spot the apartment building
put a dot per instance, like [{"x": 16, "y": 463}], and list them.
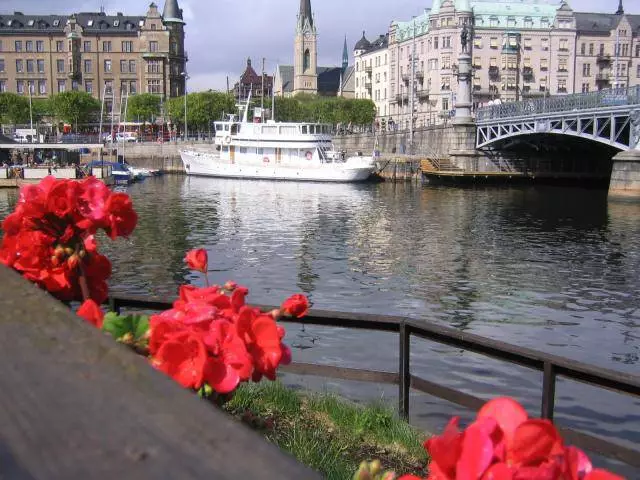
[
  {"x": 104, "y": 55},
  {"x": 520, "y": 49},
  {"x": 372, "y": 71}
]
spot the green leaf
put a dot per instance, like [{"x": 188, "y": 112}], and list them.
[{"x": 135, "y": 326}]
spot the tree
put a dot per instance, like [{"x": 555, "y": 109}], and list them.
[
  {"x": 203, "y": 108},
  {"x": 144, "y": 107},
  {"x": 14, "y": 108},
  {"x": 73, "y": 107}
]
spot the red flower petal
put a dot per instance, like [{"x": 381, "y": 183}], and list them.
[
  {"x": 197, "y": 260},
  {"x": 507, "y": 412},
  {"x": 534, "y": 442},
  {"x": 92, "y": 313},
  {"x": 221, "y": 377}
]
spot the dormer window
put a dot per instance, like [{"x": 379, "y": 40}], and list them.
[
  {"x": 544, "y": 22},
  {"x": 493, "y": 21},
  {"x": 116, "y": 23},
  {"x": 128, "y": 26},
  {"x": 90, "y": 23},
  {"x": 56, "y": 22},
  {"x": 141, "y": 23},
  {"x": 31, "y": 23},
  {"x": 9, "y": 23}
]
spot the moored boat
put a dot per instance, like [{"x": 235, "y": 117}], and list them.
[{"x": 275, "y": 151}]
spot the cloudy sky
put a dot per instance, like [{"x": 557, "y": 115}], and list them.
[{"x": 222, "y": 34}]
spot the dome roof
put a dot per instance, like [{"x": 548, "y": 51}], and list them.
[{"x": 363, "y": 43}]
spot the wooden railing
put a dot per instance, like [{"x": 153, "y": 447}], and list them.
[
  {"x": 551, "y": 366},
  {"x": 74, "y": 404}
]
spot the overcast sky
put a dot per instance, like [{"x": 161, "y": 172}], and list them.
[{"x": 221, "y": 34}]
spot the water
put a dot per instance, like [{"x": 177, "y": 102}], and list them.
[{"x": 555, "y": 269}]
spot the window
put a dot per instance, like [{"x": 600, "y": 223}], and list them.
[
  {"x": 133, "y": 88},
  {"x": 29, "y": 45},
  {"x": 493, "y": 21},
  {"x": 564, "y": 45},
  {"x": 116, "y": 23},
  {"x": 87, "y": 46},
  {"x": 446, "y": 63},
  {"x": 153, "y": 46},
  {"x": 60, "y": 66},
  {"x": 477, "y": 42},
  {"x": 477, "y": 62},
  {"x": 638, "y": 72},
  {"x": 493, "y": 42},
  {"x": 62, "y": 86},
  {"x": 124, "y": 86},
  {"x": 107, "y": 66},
  {"x": 1, "y": 46},
  {"x": 625, "y": 49},
  {"x": 528, "y": 22},
  {"x": 40, "y": 66},
  {"x": 31, "y": 68},
  {"x": 124, "y": 66},
  {"x": 18, "y": 45},
  {"x": 435, "y": 45},
  {"x": 562, "y": 65},
  {"x": 445, "y": 104},
  {"x": 637, "y": 49},
  {"x": 153, "y": 66},
  {"x": 42, "y": 87},
  {"x": 585, "y": 88},
  {"x": 601, "y": 51},
  {"x": 526, "y": 43},
  {"x": 562, "y": 85},
  {"x": 446, "y": 83},
  {"x": 153, "y": 86},
  {"x": 20, "y": 87},
  {"x": 173, "y": 47},
  {"x": 564, "y": 24},
  {"x": 88, "y": 86},
  {"x": 544, "y": 64},
  {"x": 586, "y": 70},
  {"x": 56, "y": 22},
  {"x": 3, "y": 86},
  {"x": 87, "y": 66},
  {"x": 19, "y": 66},
  {"x": 511, "y": 21},
  {"x": 544, "y": 22},
  {"x": 39, "y": 46},
  {"x": 132, "y": 66},
  {"x": 545, "y": 44},
  {"x": 1, "y": 65},
  {"x": 127, "y": 47},
  {"x": 108, "y": 87},
  {"x": 106, "y": 46},
  {"x": 59, "y": 46},
  {"x": 583, "y": 48}
]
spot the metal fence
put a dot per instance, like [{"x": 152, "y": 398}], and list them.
[
  {"x": 565, "y": 103},
  {"x": 551, "y": 366}
]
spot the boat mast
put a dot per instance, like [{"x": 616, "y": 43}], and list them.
[
  {"x": 262, "y": 97},
  {"x": 273, "y": 99},
  {"x": 246, "y": 107}
]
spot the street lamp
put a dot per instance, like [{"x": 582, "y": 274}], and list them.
[{"x": 186, "y": 77}]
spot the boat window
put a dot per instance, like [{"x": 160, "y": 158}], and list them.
[
  {"x": 234, "y": 129},
  {"x": 225, "y": 148},
  {"x": 243, "y": 149},
  {"x": 218, "y": 128},
  {"x": 304, "y": 129},
  {"x": 288, "y": 130},
  {"x": 260, "y": 151},
  {"x": 269, "y": 130},
  {"x": 226, "y": 128}
]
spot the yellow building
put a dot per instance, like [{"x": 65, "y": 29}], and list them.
[{"x": 104, "y": 55}]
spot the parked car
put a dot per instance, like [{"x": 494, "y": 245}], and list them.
[{"x": 126, "y": 137}]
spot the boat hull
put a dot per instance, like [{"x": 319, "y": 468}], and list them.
[{"x": 204, "y": 164}]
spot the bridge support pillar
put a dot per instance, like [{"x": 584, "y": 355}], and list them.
[
  {"x": 462, "y": 150},
  {"x": 625, "y": 175}
]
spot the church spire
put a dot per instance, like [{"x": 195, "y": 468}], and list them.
[
  {"x": 620, "y": 9},
  {"x": 345, "y": 55},
  {"x": 305, "y": 12},
  {"x": 172, "y": 12}
]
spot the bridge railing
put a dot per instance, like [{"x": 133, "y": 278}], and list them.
[{"x": 564, "y": 103}]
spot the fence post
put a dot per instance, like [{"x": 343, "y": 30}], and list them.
[
  {"x": 548, "y": 390},
  {"x": 404, "y": 371},
  {"x": 113, "y": 306}
]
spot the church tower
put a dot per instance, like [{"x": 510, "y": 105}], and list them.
[
  {"x": 305, "y": 65},
  {"x": 173, "y": 21}
]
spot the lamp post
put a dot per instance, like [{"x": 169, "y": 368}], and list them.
[
  {"x": 186, "y": 132},
  {"x": 31, "y": 86}
]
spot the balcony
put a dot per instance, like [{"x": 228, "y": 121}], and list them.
[
  {"x": 367, "y": 84},
  {"x": 527, "y": 73},
  {"x": 423, "y": 94},
  {"x": 401, "y": 97},
  {"x": 406, "y": 77},
  {"x": 368, "y": 69},
  {"x": 494, "y": 73},
  {"x": 562, "y": 89},
  {"x": 527, "y": 93},
  {"x": 563, "y": 69},
  {"x": 420, "y": 75},
  {"x": 603, "y": 78},
  {"x": 603, "y": 59}
]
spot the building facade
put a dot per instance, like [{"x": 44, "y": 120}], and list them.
[
  {"x": 250, "y": 81},
  {"x": 305, "y": 76},
  {"x": 105, "y": 55},
  {"x": 520, "y": 49}
]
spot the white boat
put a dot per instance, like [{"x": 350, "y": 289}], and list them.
[{"x": 275, "y": 151}]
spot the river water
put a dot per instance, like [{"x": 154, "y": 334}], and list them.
[{"x": 555, "y": 269}]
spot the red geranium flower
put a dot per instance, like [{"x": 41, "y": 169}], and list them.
[
  {"x": 197, "y": 260},
  {"x": 295, "y": 306},
  {"x": 92, "y": 313}
]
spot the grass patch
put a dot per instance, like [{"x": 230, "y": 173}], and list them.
[{"x": 327, "y": 433}]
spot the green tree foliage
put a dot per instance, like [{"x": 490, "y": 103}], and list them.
[
  {"x": 14, "y": 108},
  {"x": 334, "y": 110},
  {"x": 73, "y": 107},
  {"x": 203, "y": 108},
  {"x": 144, "y": 107}
]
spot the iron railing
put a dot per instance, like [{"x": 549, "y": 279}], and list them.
[
  {"x": 551, "y": 366},
  {"x": 564, "y": 103}
]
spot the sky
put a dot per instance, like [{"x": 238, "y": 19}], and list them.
[{"x": 222, "y": 34}]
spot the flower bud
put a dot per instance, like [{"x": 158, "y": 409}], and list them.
[
  {"x": 55, "y": 261},
  {"x": 82, "y": 253},
  {"x": 127, "y": 338},
  {"x": 69, "y": 251},
  {"x": 375, "y": 467},
  {"x": 230, "y": 285},
  {"x": 275, "y": 313},
  {"x": 73, "y": 261},
  {"x": 59, "y": 251}
]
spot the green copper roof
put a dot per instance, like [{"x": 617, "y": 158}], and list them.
[{"x": 405, "y": 30}]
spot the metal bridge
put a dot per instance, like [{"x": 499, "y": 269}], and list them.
[{"x": 611, "y": 117}]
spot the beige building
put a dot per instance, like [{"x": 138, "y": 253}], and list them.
[
  {"x": 520, "y": 49},
  {"x": 101, "y": 54}
]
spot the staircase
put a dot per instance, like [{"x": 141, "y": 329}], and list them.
[{"x": 436, "y": 165}]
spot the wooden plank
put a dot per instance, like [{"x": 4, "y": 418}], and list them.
[
  {"x": 341, "y": 373},
  {"x": 75, "y": 404},
  {"x": 601, "y": 446},
  {"x": 449, "y": 394}
]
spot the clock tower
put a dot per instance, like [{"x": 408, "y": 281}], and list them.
[{"x": 305, "y": 66}]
